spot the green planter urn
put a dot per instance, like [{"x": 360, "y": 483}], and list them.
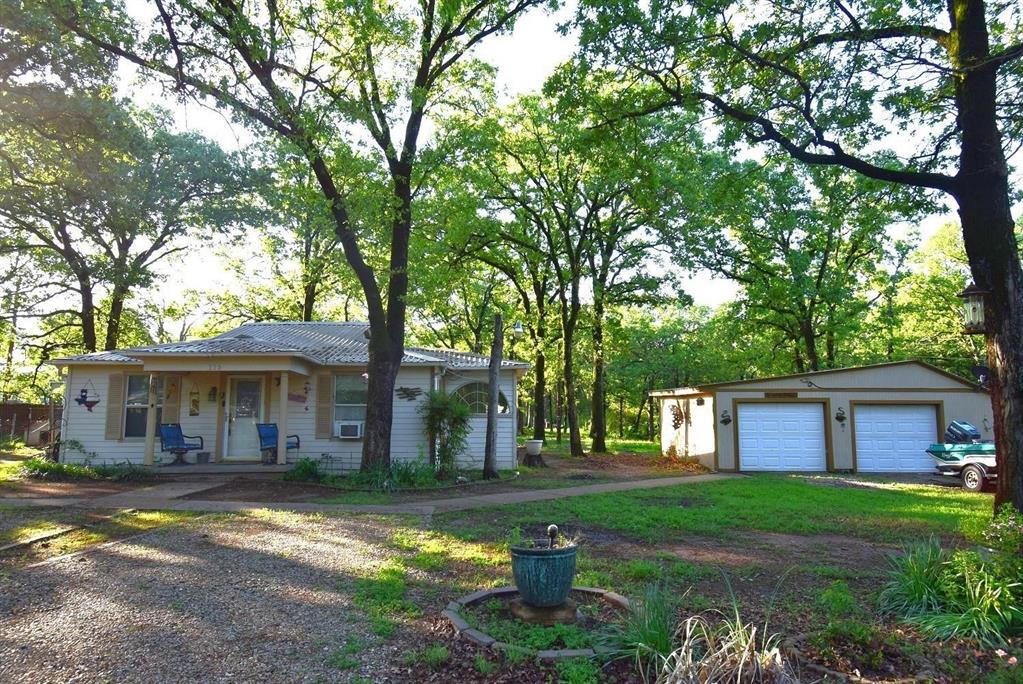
[{"x": 543, "y": 572}]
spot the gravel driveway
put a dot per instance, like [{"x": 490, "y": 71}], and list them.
[{"x": 261, "y": 597}]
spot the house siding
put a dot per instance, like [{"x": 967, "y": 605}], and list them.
[
  {"x": 408, "y": 442},
  {"x": 696, "y": 442},
  {"x": 506, "y": 446}
]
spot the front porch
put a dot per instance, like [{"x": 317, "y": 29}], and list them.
[{"x": 223, "y": 408}]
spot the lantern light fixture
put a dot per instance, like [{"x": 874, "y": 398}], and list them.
[{"x": 973, "y": 309}]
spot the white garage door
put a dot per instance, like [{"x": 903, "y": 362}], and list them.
[
  {"x": 892, "y": 438},
  {"x": 781, "y": 437}
]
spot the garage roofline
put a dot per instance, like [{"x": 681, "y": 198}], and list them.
[{"x": 712, "y": 387}]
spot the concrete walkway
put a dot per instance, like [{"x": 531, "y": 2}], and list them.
[{"x": 167, "y": 497}]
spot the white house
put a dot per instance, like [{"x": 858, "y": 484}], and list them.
[{"x": 307, "y": 378}]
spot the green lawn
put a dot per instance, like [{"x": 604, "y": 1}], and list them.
[
  {"x": 767, "y": 503},
  {"x": 18, "y": 523},
  {"x": 12, "y": 455},
  {"x": 614, "y": 445}
]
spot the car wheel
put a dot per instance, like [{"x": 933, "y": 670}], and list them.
[{"x": 973, "y": 478}]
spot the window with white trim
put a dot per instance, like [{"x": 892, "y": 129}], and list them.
[
  {"x": 476, "y": 396},
  {"x": 136, "y": 404},
  {"x": 349, "y": 398}
]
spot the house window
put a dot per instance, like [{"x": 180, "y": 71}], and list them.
[
  {"x": 349, "y": 398},
  {"x": 136, "y": 405},
  {"x": 476, "y": 395}
]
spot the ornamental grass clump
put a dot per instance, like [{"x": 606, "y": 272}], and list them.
[
  {"x": 711, "y": 647},
  {"x": 962, "y": 594},
  {"x": 913, "y": 585},
  {"x": 647, "y": 634},
  {"x": 729, "y": 651}
]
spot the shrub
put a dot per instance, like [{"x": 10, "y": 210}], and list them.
[
  {"x": 306, "y": 470},
  {"x": 412, "y": 474},
  {"x": 1005, "y": 536},
  {"x": 978, "y": 603},
  {"x": 125, "y": 472},
  {"x": 647, "y": 634},
  {"x": 446, "y": 422},
  {"x": 956, "y": 595},
  {"x": 43, "y": 469},
  {"x": 838, "y": 602}
]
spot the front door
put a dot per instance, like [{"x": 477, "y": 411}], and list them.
[{"x": 244, "y": 410}]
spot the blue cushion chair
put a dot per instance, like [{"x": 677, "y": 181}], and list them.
[
  {"x": 268, "y": 439},
  {"x": 172, "y": 440}
]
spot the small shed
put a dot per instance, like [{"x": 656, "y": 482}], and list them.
[{"x": 877, "y": 418}]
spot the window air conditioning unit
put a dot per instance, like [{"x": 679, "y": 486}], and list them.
[{"x": 348, "y": 429}]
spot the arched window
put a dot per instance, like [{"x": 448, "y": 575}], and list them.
[{"x": 477, "y": 394}]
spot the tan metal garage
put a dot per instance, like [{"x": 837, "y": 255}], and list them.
[{"x": 877, "y": 418}]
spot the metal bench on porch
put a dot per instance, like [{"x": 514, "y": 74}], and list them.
[
  {"x": 268, "y": 435},
  {"x": 172, "y": 440}
]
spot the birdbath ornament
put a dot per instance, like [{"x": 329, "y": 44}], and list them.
[{"x": 544, "y": 570}]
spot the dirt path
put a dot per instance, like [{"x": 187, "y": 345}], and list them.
[{"x": 166, "y": 497}]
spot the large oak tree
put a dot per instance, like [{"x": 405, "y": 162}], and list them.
[
  {"x": 924, "y": 94},
  {"x": 324, "y": 75}
]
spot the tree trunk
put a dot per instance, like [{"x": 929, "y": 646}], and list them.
[
  {"x": 117, "y": 298},
  {"x": 539, "y": 401},
  {"x": 598, "y": 423},
  {"x": 806, "y": 331},
  {"x": 87, "y": 315},
  {"x": 494, "y": 388},
  {"x": 559, "y": 398},
  {"x": 621, "y": 417},
  {"x": 650, "y": 419},
  {"x": 384, "y": 362},
  {"x": 798, "y": 359},
  {"x": 15, "y": 306},
  {"x": 982, "y": 192},
  {"x": 575, "y": 442},
  {"x": 308, "y": 301}
]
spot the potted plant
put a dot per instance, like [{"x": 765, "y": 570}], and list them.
[{"x": 544, "y": 569}]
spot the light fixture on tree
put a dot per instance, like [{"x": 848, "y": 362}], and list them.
[
  {"x": 518, "y": 332},
  {"x": 973, "y": 309}
]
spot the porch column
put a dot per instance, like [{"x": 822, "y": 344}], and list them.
[
  {"x": 147, "y": 457},
  {"x": 282, "y": 422}
]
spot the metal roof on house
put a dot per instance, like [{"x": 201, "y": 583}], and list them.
[{"x": 323, "y": 343}]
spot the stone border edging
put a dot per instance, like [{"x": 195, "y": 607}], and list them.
[{"x": 451, "y": 612}]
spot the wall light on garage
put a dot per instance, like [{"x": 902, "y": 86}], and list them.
[
  {"x": 725, "y": 418},
  {"x": 840, "y": 416}
]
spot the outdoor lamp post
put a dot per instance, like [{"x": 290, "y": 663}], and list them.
[{"x": 973, "y": 309}]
